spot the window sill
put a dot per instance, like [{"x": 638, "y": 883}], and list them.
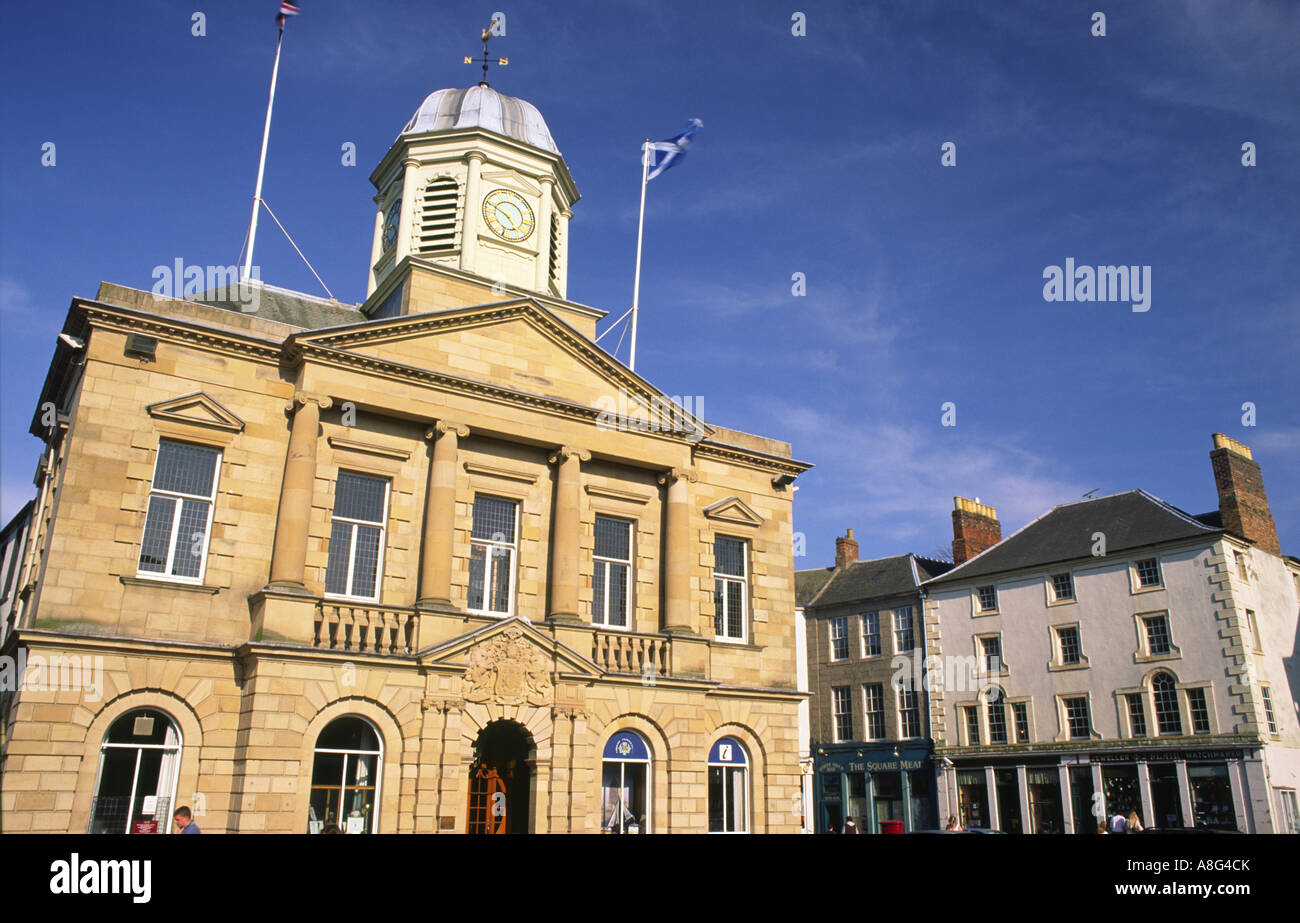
[
  {"x": 1175, "y": 654},
  {"x": 1139, "y": 590},
  {"x": 165, "y": 584},
  {"x": 1064, "y": 667}
]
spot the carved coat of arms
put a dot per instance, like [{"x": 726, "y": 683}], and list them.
[{"x": 508, "y": 669}]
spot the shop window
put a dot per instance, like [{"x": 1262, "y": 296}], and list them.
[
  {"x": 136, "y": 781},
  {"x": 625, "y": 784},
  {"x": 728, "y": 787},
  {"x": 345, "y": 778}
]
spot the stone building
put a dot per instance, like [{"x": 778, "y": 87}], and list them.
[
  {"x": 871, "y": 745},
  {"x": 432, "y": 563},
  {"x": 1127, "y": 657}
]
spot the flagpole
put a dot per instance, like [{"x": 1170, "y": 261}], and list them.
[
  {"x": 640, "y": 228},
  {"x": 261, "y": 165}
]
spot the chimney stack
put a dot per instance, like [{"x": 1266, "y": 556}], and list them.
[
  {"x": 1243, "y": 505},
  {"x": 975, "y": 527},
  {"x": 846, "y": 551}
]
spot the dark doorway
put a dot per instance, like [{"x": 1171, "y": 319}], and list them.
[{"x": 500, "y": 778}]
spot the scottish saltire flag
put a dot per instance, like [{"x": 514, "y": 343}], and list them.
[
  {"x": 670, "y": 153},
  {"x": 287, "y": 8}
]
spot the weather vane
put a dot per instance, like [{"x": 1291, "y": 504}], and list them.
[{"x": 501, "y": 62}]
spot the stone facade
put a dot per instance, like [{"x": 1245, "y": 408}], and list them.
[{"x": 456, "y": 393}]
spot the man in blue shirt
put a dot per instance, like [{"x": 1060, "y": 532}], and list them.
[{"x": 185, "y": 822}]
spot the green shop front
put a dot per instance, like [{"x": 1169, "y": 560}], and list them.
[{"x": 881, "y": 788}]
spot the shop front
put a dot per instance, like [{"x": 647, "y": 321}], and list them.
[
  {"x": 879, "y": 789},
  {"x": 1079, "y": 792}
]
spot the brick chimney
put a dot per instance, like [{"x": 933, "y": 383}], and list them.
[
  {"x": 1242, "y": 503},
  {"x": 975, "y": 527},
  {"x": 846, "y": 551}
]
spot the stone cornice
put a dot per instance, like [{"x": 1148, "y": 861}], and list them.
[
  {"x": 185, "y": 333},
  {"x": 751, "y": 458}
]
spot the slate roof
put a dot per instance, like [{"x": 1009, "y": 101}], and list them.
[
  {"x": 1134, "y": 519},
  {"x": 877, "y": 578},
  {"x": 808, "y": 583},
  {"x": 294, "y": 308}
]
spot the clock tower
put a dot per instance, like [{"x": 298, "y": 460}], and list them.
[{"x": 472, "y": 206}]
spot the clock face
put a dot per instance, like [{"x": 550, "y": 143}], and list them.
[
  {"x": 508, "y": 215},
  {"x": 390, "y": 223}
]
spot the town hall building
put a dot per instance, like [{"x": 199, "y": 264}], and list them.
[{"x": 399, "y": 567}]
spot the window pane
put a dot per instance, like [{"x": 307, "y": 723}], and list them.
[
  {"x": 598, "y": 592},
  {"x": 185, "y": 469},
  {"x": 157, "y": 534},
  {"x": 336, "y": 571},
  {"x": 729, "y": 556},
  {"x": 1137, "y": 715},
  {"x": 366, "y": 561},
  {"x": 613, "y": 539},
  {"x": 735, "y": 610},
  {"x": 358, "y": 496},
  {"x": 501, "y": 561},
  {"x": 618, "y": 595},
  {"x": 716, "y": 789},
  {"x": 188, "y": 559},
  {"x": 477, "y": 569},
  {"x": 717, "y": 605},
  {"x": 494, "y": 519},
  {"x": 1168, "y": 721}
]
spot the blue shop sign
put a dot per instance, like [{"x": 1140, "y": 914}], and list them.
[
  {"x": 727, "y": 752},
  {"x": 627, "y": 745}
]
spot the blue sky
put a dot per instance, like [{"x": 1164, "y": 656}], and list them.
[{"x": 820, "y": 155}]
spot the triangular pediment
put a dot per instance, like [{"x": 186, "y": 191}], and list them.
[
  {"x": 514, "y": 639},
  {"x": 520, "y": 346},
  {"x": 196, "y": 409},
  {"x": 733, "y": 510}
]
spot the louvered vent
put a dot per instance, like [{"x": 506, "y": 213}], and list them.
[{"x": 438, "y": 217}]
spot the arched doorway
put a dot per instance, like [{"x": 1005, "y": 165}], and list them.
[{"x": 500, "y": 780}]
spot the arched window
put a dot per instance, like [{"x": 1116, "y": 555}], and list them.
[
  {"x": 1168, "y": 721},
  {"x": 996, "y": 705},
  {"x": 728, "y": 787},
  {"x": 137, "y": 774},
  {"x": 625, "y": 784},
  {"x": 345, "y": 778},
  {"x": 438, "y": 216}
]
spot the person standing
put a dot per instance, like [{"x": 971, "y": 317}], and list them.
[
  {"x": 1118, "y": 823},
  {"x": 1134, "y": 823},
  {"x": 185, "y": 821}
]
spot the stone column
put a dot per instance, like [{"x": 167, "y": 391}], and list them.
[
  {"x": 1240, "y": 806},
  {"x": 1185, "y": 793},
  {"x": 991, "y": 799},
  {"x": 542, "y": 280},
  {"x": 439, "y": 515},
  {"x": 1022, "y": 784},
  {"x": 678, "y": 617},
  {"x": 473, "y": 206},
  {"x": 566, "y": 539},
  {"x": 1144, "y": 794},
  {"x": 289, "y": 554},
  {"x": 908, "y": 820},
  {"x": 1067, "y": 797},
  {"x": 407, "y": 220},
  {"x": 1098, "y": 787}
]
